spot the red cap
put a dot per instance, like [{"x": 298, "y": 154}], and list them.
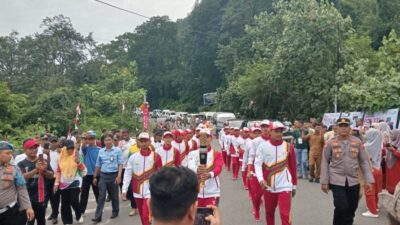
[
  {"x": 185, "y": 132},
  {"x": 176, "y": 133},
  {"x": 30, "y": 144},
  {"x": 189, "y": 131}
]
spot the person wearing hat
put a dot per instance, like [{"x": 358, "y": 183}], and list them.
[
  {"x": 179, "y": 144},
  {"x": 36, "y": 172},
  {"x": 341, "y": 157},
  {"x": 275, "y": 167},
  {"x": 242, "y": 162},
  {"x": 140, "y": 167},
  {"x": 157, "y": 140},
  {"x": 68, "y": 181},
  {"x": 228, "y": 142},
  {"x": 211, "y": 189},
  {"x": 222, "y": 135},
  {"x": 170, "y": 156},
  {"x": 15, "y": 206},
  {"x": 236, "y": 147},
  {"x": 254, "y": 186},
  {"x": 195, "y": 140},
  {"x": 109, "y": 169},
  {"x": 90, "y": 152}
]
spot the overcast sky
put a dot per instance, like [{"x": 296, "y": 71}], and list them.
[{"x": 25, "y": 16}]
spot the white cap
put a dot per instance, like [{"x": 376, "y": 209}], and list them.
[
  {"x": 245, "y": 129},
  {"x": 255, "y": 128},
  {"x": 265, "y": 122},
  {"x": 277, "y": 125},
  {"x": 144, "y": 135},
  {"x": 201, "y": 126},
  {"x": 236, "y": 128},
  {"x": 167, "y": 133}
]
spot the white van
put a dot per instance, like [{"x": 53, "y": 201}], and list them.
[{"x": 221, "y": 117}]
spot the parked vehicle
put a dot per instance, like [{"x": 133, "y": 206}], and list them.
[
  {"x": 155, "y": 113},
  {"x": 220, "y": 118},
  {"x": 236, "y": 123}
]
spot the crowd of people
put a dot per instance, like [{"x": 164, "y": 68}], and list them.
[
  {"x": 61, "y": 171},
  {"x": 340, "y": 158}
]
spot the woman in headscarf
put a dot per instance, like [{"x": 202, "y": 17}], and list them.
[
  {"x": 69, "y": 180},
  {"x": 373, "y": 145},
  {"x": 386, "y": 140},
  {"x": 393, "y": 162}
]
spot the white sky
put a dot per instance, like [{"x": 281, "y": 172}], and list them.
[{"x": 25, "y": 16}]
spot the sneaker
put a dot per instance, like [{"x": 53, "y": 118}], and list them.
[
  {"x": 369, "y": 214},
  {"x": 54, "y": 221},
  {"x": 311, "y": 180},
  {"x": 80, "y": 221},
  {"x": 133, "y": 212},
  {"x": 96, "y": 220},
  {"x": 316, "y": 180}
]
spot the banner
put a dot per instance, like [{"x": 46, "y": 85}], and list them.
[
  {"x": 330, "y": 118},
  {"x": 390, "y": 116},
  {"x": 353, "y": 116},
  {"x": 146, "y": 116}
]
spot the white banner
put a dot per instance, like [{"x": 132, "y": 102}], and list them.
[
  {"x": 353, "y": 116},
  {"x": 390, "y": 116},
  {"x": 330, "y": 118}
]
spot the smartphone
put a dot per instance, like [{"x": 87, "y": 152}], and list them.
[
  {"x": 201, "y": 215},
  {"x": 41, "y": 157}
]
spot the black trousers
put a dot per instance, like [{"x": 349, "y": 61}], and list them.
[
  {"x": 40, "y": 213},
  {"x": 13, "y": 216},
  {"x": 54, "y": 199},
  {"x": 86, "y": 183},
  {"x": 70, "y": 198},
  {"x": 345, "y": 200},
  {"x": 129, "y": 193},
  {"x": 107, "y": 184}
]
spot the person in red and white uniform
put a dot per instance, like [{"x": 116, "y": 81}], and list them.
[
  {"x": 221, "y": 139},
  {"x": 242, "y": 154},
  {"x": 170, "y": 156},
  {"x": 227, "y": 144},
  {"x": 195, "y": 142},
  {"x": 254, "y": 186},
  {"x": 141, "y": 165},
  {"x": 237, "y": 145},
  {"x": 275, "y": 166},
  {"x": 211, "y": 189},
  {"x": 181, "y": 146},
  {"x": 189, "y": 137}
]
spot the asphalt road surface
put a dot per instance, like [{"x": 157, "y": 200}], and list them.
[{"x": 310, "y": 206}]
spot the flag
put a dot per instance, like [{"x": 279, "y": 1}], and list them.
[
  {"x": 78, "y": 110},
  {"x": 123, "y": 106}
]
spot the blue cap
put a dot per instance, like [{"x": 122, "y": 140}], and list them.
[
  {"x": 4, "y": 145},
  {"x": 91, "y": 133}
]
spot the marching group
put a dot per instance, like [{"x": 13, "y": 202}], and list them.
[
  {"x": 339, "y": 158},
  {"x": 60, "y": 171}
]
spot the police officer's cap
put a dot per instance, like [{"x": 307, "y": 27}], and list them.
[{"x": 343, "y": 121}]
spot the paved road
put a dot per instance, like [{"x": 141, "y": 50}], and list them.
[{"x": 310, "y": 207}]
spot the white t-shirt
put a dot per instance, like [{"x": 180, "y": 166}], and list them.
[{"x": 54, "y": 158}]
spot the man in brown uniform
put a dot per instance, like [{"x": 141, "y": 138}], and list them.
[
  {"x": 15, "y": 206},
  {"x": 316, "y": 143},
  {"x": 341, "y": 157}
]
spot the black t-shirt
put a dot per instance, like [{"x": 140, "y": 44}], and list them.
[{"x": 32, "y": 184}]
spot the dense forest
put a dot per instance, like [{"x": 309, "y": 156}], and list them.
[{"x": 264, "y": 58}]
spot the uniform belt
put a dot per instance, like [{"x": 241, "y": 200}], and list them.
[{"x": 3, "y": 210}]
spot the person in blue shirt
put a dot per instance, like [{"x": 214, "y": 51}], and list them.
[
  {"x": 109, "y": 167},
  {"x": 89, "y": 151}
]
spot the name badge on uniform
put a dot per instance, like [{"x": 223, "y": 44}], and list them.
[
  {"x": 112, "y": 158},
  {"x": 300, "y": 141}
]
